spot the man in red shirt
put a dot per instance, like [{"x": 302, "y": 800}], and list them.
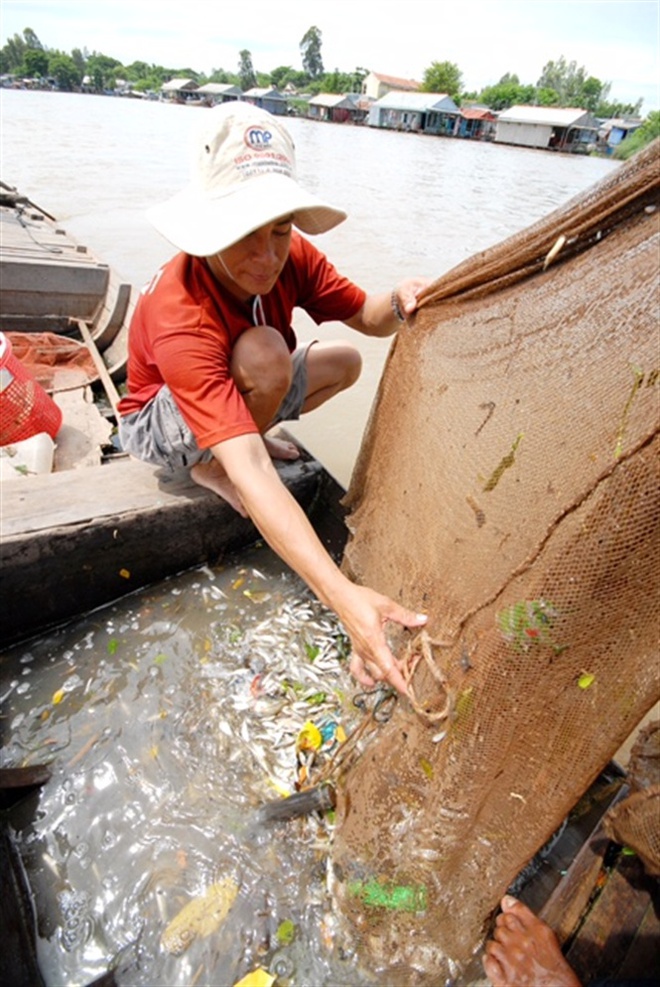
[{"x": 213, "y": 362}]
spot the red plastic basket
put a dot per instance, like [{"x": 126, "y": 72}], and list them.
[{"x": 25, "y": 407}]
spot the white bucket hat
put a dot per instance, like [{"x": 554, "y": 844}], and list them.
[{"x": 243, "y": 176}]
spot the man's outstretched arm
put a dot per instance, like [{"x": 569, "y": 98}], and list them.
[{"x": 284, "y": 525}]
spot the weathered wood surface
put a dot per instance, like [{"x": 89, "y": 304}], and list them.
[
  {"x": 44, "y": 272},
  {"x": 619, "y": 937}
]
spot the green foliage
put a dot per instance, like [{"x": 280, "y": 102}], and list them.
[
  {"x": 310, "y": 47},
  {"x": 648, "y": 132},
  {"x": 280, "y": 76},
  {"x": 443, "y": 77},
  {"x": 35, "y": 64},
  {"x": 546, "y": 96},
  {"x": 13, "y": 52},
  {"x": 628, "y": 110},
  {"x": 104, "y": 71},
  {"x": 338, "y": 82},
  {"x": 507, "y": 93},
  {"x": 63, "y": 69}
]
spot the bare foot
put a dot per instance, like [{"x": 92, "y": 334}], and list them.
[
  {"x": 280, "y": 449},
  {"x": 212, "y": 476},
  {"x": 524, "y": 951}
]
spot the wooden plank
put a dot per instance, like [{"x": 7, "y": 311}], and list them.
[
  {"x": 568, "y": 902},
  {"x": 610, "y": 928},
  {"x": 643, "y": 957},
  {"x": 60, "y": 499},
  {"x": 41, "y": 287},
  {"x": 106, "y": 379}
]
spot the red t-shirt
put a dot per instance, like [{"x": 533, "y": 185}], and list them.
[{"x": 185, "y": 325}]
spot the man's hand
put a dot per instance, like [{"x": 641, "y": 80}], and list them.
[
  {"x": 364, "y": 618},
  {"x": 406, "y": 294},
  {"x": 383, "y": 314}
]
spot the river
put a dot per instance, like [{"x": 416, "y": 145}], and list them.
[{"x": 417, "y": 205}]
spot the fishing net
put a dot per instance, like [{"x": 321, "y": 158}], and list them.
[
  {"x": 635, "y": 822},
  {"x": 507, "y": 485}
]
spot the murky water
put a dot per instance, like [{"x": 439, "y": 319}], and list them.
[
  {"x": 168, "y": 720},
  {"x": 417, "y": 205}
]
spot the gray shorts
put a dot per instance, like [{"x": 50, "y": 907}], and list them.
[{"x": 158, "y": 434}]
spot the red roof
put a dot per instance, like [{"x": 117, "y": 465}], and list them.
[
  {"x": 470, "y": 114},
  {"x": 392, "y": 80}
]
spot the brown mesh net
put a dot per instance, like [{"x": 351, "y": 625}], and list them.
[
  {"x": 635, "y": 822},
  {"x": 508, "y": 486}
]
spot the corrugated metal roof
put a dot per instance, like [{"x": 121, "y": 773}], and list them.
[
  {"x": 550, "y": 116},
  {"x": 259, "y": 93},
  {"x": 332, "y": 101},
  {"x": 416, "y": 102},
  {"x": 218, "y": 88},
  {"x": 175, "y": 84}
]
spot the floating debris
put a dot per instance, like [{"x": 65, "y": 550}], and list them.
[{"x": 200, "y": 917}]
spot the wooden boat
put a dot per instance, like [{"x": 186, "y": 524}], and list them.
[
  {"x": 77, "y": 538},
  {"x": 101, "y": 524}
]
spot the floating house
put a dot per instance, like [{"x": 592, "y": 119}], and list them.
[
  {"x": 344, "y": 108},
  {"x": 218, "y": 92},
  {"x": 557, "y": 128},
  {"x": 429, "y": 113},
  {"x": 376, "y": 85},
  {"x": 476, "y": 122},
  {"x": 267, "y": 99},
  {"x": 612, "y": 132},
  {"x": 179, "y": 90}
]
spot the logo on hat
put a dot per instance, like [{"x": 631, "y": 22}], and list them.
[{"x": 257, "y": 138}]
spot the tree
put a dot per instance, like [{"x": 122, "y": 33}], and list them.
[
  {"x": 35, "y": 64},
  {"x": 31, "y": 40},
  {"x": 246, "y": 71},
  {"x": 506, "y": 94},
  {"x": 281, "y": 75},
  {"x": 64, "y": 71},
  {"x": 443, "y": 77},
  {"x": 80, "y": 59},
  {"x": 338, "y": 82},
  {"x": 310, "y": 46},
  {"x": 546, "y": 96},
  {"x": 572, "y": 85},
  {"x": 103, "y": 70}
]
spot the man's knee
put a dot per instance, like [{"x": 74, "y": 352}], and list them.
[
  {"x": 353, "y": 365},
  {"x": 261, "y": 361}
]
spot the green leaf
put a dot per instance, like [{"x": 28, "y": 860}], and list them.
[
  {"x": 113, "y": 644},
  {"x": 311, "y": 650},
  {"x": 286, "y": 932}
]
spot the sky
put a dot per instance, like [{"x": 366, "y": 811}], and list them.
[{"x": 617, "y": 41}]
